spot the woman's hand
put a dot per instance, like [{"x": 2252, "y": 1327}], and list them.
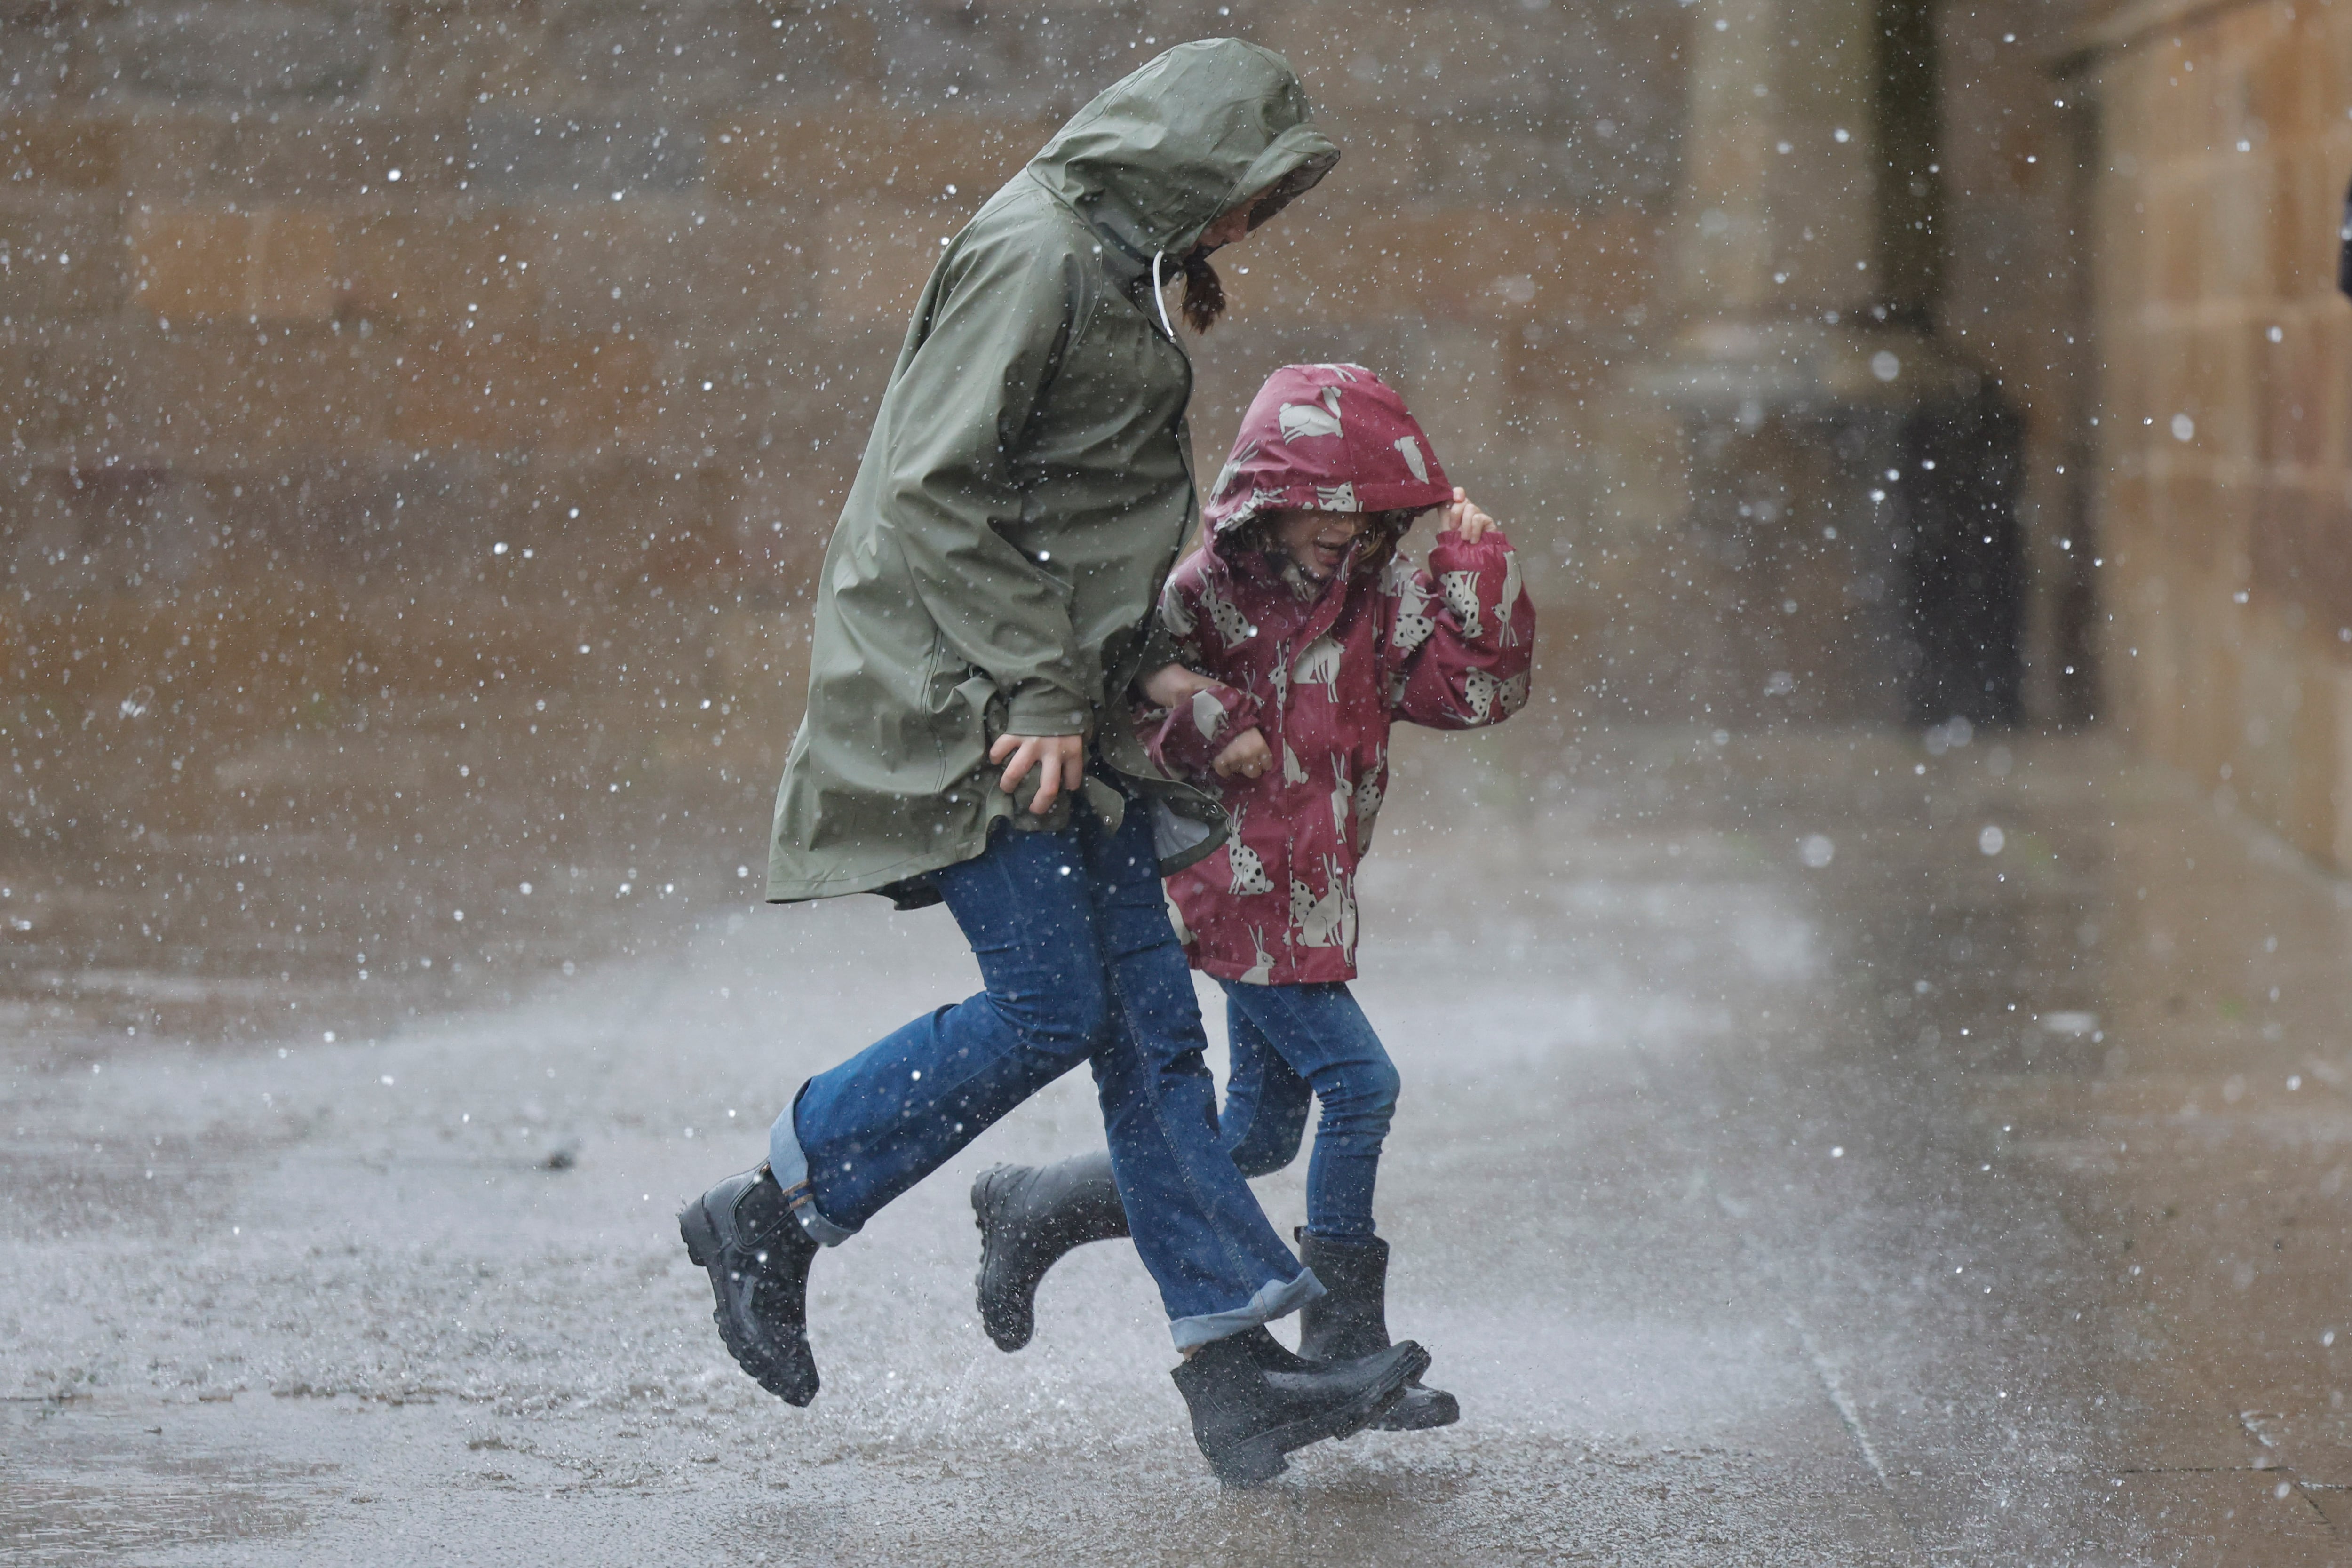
[
  {"x": 1249, "y": 755},
  {"x": 1062, "y": 758},
  {"x": 1462, "y": 516},
  {"x": 1172, "y": 686}
]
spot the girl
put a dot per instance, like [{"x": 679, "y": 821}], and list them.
[{"x": 1311, "y": 636}]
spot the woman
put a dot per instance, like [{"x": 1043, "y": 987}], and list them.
[{"x": 988, "y": 604}]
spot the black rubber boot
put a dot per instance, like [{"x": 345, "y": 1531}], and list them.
[
  {"x": 1029, "y": 1215},
  {"x": 1350, "y": 1318},
  {"x": 758, "y": 1256},
  {"x": 1253, "y": 1402}
]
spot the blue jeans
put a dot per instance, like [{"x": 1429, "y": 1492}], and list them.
[
  {"x": 1291, "y": 1043},
  {"x": 1080, "y": 965}
]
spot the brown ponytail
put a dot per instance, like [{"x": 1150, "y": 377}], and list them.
[
  {"x": 1383, "y": 532},
  {"x": 1204, "y": 292}
]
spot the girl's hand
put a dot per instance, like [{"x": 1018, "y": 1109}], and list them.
[
  {"x": 1462, "y": 516},
  {"x": 1172, "y": 686},
  {"x": 1249, "y": 755}
]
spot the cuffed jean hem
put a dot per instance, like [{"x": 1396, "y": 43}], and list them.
[
  {"x": 788, "y": 1163},
  {"x": 1275, "y": 1298}
]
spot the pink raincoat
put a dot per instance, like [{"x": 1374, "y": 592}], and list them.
[{"x": 1322, "y": 671}]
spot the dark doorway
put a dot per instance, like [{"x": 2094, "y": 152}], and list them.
[{"x": 1961, "y": 562}]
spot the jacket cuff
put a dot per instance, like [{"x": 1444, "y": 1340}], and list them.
[
  {"x": 1450, "y": 553},
  {"x": 1041, "y": 708},
  {"x": 1241, "y": 712},
  {"x": 1187, "y": 742}
]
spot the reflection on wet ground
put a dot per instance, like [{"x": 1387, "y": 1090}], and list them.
[{"x": 1815, "y": 1149}]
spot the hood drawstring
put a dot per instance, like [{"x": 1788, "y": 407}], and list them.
[{"x": 1159, "y": 299}]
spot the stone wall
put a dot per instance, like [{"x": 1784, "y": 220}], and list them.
[
  {"x": 306, "y": 306},
  {"x": 2225, "y": 421}
]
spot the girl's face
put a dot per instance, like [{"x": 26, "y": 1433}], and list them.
[{"x": 1316, "y": 540}]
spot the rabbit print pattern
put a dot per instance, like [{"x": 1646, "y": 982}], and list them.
[
  {"x": 1248, "y": 868},
  {"x": 1324, "y": 679}
]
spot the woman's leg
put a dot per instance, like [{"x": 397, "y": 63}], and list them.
[
  {"x": 857, "y": 1136},
  {"x": 1031, "y": 1217},
  {"x": 1220, "y": 1266},
  {"x": 1327, "y": 1040},
  {"x": 1264, "y": 1117},
  {"x": 862, "y": 1132},
  {"x": 1072, "y": 935}
]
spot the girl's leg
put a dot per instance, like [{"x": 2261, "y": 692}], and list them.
[
  {"x": 1324, "y": 1037},
  {"x": 1264, "y": 1117}
]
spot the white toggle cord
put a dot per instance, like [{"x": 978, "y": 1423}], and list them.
[{"x": 1159, "y": 299}]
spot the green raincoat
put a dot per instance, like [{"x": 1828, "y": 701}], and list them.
[{"x": 1027, "y": 487}]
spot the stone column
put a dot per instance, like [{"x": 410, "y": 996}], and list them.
[
  {"x": 1781, "y": 162},
  {"x": 1830, "y": 434}
]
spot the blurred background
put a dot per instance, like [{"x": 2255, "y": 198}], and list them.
[
  {"x": 1874, "y": 1025},
  {"x": 423, "y": 420}
]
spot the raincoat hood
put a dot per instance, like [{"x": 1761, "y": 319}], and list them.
[
  {"x": 1162, "y": 154},
  {"x": 1326, "y": 437}
]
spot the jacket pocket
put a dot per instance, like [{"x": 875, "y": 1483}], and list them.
[{"x": 968, "y": 715}]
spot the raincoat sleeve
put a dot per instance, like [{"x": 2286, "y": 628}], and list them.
[
  {"x": 1185, "y": 740},
  {"x": 1462, "y": 636},
  {"x": 993, "y": 330},
  {"x": 1174, "y": 634},
  {"x": 1160, "y": 650}
]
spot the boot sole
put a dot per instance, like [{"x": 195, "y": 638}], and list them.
[
  {"x": 1253, "y": 1461},
  {"x": 701, "y": 1237},
  {"x": 703, "y": 1249}
]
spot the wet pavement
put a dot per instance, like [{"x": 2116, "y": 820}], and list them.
[{"x": 1814, "y": 1150}]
